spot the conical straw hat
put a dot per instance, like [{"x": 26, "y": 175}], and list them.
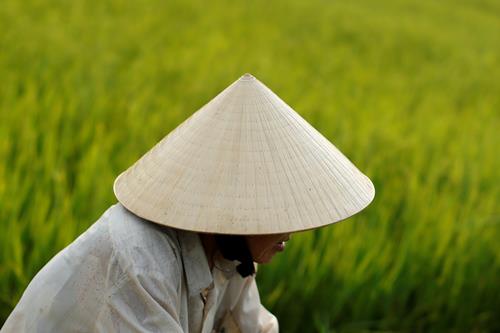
[{"x": 245, "y": 163}]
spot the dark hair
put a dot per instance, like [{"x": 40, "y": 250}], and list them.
[{"x": 234, "y": 247}]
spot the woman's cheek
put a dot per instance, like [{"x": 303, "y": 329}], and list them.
[{"x": 266, "y": 256}]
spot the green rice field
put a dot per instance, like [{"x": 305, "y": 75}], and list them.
[{"x": 408, "y": 90}]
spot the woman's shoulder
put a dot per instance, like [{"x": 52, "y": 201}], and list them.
[{"x": 140, "y": 244}]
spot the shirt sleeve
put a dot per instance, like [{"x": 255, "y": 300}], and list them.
[
  {"x": 145, "y": 294},
  {"x": 127, "y": 280},
  {"x": 66, "y": 299},
  {"x": 250, "y": 314},
  {"x": 147, "y": 303}
]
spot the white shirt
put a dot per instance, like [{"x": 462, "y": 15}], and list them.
[{"x": 125, "y": 274}]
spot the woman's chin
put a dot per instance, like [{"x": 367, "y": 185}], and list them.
[{"x": 265, "y": 259}]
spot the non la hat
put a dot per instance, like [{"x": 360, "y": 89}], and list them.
[{"x": 245, "y": 163}]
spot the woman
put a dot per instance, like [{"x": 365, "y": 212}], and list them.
[{"x": 221, "y": 192}]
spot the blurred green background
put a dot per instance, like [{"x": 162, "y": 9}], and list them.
[{"x": 408, "y": 90}]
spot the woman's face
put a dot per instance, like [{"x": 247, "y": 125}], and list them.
[{"x": 264, "y": 247}]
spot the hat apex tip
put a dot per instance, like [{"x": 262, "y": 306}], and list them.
[{"x": 247, "y": 76}]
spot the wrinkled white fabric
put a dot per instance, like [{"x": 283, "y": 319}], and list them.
[{"x": 125, "y": 274}]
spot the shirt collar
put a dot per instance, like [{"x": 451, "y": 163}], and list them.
[
  {"x": 227, "y": 267},
  {"x": 197, "y": 271},
  {"x": 198, "y": 275}
]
